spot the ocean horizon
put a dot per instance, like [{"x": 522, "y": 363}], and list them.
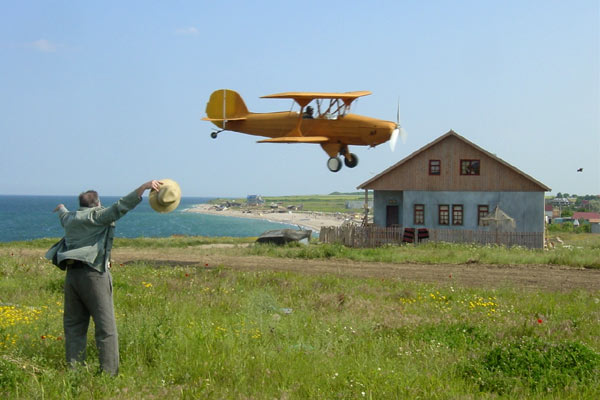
[{"x": 29, "y": 217}]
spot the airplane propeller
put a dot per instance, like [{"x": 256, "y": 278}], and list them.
[
  {"x": 399, "y": 131},
  {"x": 394, "y": 138}
]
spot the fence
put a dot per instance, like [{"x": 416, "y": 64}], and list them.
[{"x": 373, "y": 236}]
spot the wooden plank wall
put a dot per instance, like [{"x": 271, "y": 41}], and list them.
[{"x": 414, "y": 173}]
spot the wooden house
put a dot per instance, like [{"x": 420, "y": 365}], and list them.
[{"x": 451, "y": 183}]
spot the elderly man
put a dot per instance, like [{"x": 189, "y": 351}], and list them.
[{"x": 85, "y": 254}]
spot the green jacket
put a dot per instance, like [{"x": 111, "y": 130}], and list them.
[{"x": 89, "y": 233}]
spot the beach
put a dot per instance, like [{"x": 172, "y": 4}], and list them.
[{"x": 306, "y": 219}]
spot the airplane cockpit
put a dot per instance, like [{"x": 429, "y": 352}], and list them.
[{"x": 331, "y": 109}]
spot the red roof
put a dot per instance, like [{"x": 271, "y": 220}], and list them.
[{"x": 586, "y": 215}]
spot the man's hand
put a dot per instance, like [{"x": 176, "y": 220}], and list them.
[
  {"x": 58, "y": 207},
  {"x": 152, "y": 185}
]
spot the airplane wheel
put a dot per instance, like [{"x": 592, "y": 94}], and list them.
[
  {"x": 213, "y": 135},
  {"x": 334, "y": 164},
  {"x": 351, "y": 163}
]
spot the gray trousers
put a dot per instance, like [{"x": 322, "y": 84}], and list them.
[{"x": 89, "y": 293}]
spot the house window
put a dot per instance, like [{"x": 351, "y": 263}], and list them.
[
  {"x": 482, "y": 211},
  {"x": 444, "y": 214},
  {"x": 457, "y": 214},
  {"x": 419, "y": 217},
  {"x": 469, "y": 167},
  {"x": 435, "y": 167}
]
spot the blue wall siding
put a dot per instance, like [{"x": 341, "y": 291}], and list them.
[
  {"x": 381, "y": 199},
  {"x": 527, "y": 208}
]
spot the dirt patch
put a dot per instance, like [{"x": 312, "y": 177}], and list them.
[{"x": 536, "y": 277}]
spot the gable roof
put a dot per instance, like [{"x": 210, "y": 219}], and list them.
[
  {"x": 586, "y": 215},
  {"x": 451, "y": 133}
]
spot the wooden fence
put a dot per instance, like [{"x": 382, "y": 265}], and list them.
[{"x": 373, "y": 236}]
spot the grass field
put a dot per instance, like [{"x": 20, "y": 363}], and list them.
[{"x": 210, "y": 331}]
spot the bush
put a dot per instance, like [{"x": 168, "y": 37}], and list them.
[
  {"x": 534, "y": 364},
  {"x": 568, "y": 227}
]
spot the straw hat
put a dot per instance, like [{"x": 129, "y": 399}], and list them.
[{"x": 167, "y": 198}]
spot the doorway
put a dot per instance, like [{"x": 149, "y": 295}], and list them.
[{"x": 392, "y": 214}]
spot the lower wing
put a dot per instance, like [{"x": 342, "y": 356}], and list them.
[{"x": 296, "y": 139}]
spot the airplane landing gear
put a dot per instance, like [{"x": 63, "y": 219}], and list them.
[
  {"x": 351, "y": 160},
  {"x": 334, "y": 150},
  {"x": 215, "y": 134},
  {"x": 334, "y": 164}
]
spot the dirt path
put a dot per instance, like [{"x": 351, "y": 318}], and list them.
[{"x": 538, "y": 277}]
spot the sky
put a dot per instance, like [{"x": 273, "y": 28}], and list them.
[{"x": 107, "y": 95}]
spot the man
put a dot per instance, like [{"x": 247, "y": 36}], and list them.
[{"x": 85, "y": 253}]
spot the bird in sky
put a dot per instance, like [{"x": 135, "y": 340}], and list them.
[{"x": 580, "y": 170}]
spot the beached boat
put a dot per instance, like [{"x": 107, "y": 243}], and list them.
[{"x": 283, "y": 236}]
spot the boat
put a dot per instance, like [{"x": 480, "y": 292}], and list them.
[{"x": 283, "y": 236}]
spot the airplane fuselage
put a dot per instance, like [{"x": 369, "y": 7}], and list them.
[{"x": 350, "y": 129}]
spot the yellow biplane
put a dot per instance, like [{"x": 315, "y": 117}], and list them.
[{"x": 326, "y": 122}]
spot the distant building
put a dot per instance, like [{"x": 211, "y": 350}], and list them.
[
  {"x": 595, "y": 228},
  {"x": 354, "y": 204},
  {"x": 254, "y": 199},
  {"x": 560, "y": 202},
  {"x": 549, "y": 211},
  {"x": 586, "y": 216}
]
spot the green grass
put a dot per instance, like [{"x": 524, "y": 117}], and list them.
[
  {"x": 581, "y": 250},
  {"x": 191, "y": 332},
  {"x": 440, "y": 253}
]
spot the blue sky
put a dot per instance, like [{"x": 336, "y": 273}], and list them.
[{"x": 107, "y": 95}]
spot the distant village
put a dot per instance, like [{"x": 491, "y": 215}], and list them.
[
  {"x": 580, "y": 212},
  {"x": 255, "y": 200}
]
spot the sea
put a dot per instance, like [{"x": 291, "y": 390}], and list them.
[{"x": 25, "y": 218}]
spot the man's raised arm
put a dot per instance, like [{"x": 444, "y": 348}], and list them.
[{"x": 152, "y": 185}]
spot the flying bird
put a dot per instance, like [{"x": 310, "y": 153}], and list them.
[{"x": 580, "y": 170}]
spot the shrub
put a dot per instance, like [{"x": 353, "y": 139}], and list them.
[{"x": 534, "y": 364}]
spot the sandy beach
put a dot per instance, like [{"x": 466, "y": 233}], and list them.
[{"x": 306, "y": 219}]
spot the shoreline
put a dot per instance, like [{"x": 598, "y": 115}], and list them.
[{"x": 309, "y": 220}]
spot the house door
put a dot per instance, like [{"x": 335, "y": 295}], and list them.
[{"x": 392, "y": 214}]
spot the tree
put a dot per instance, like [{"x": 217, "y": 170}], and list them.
[
  {"x": 566, "y": 213},
  {"x": 594, "y": 205}
]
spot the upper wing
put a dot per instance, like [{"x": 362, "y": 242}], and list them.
[{"x": 303, "y": 98}]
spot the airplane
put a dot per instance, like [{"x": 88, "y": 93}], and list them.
[{"x": 332, "y": 126}]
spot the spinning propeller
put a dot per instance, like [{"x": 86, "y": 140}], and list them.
[{"x": 399, "y": 131}]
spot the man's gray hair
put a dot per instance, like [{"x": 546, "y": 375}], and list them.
[{"x": 89, "y": 199}]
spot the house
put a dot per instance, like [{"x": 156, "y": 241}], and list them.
[
  {"x": 587, "y": 216},
  {"x": 549, "y": 212},
  {"x": 254, "y": 199},
  {"x": 561, "y": 202},
  {"x": 358, "y": 204},
  {"x": 451, "y": 183}
]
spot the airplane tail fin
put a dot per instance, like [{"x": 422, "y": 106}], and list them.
[{"x": 225, "y": 104}]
